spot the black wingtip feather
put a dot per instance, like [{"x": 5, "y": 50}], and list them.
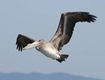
[
  {"x": 81, "y": 16},
  {"x": 86, "y": 16},
  {"x": 91, "y": 18},
  {"x": 22, "y": 41}
]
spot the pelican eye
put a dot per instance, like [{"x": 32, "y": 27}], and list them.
[{"x": 39, "y": 40}]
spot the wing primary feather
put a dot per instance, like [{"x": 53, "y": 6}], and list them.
[
  {"x": 72, "y": 19},
  {"x": 22, "y": 41},
  {"x": 66, "y": 27}
]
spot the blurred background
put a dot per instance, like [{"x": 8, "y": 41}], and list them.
[{"x": 39, "y": 19}]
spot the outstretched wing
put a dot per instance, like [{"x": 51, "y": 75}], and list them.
[
  {"x": 22, "y": 41},
  {"x": 66, "y": 27}
]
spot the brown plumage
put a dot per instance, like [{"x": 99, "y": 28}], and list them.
[
  {"x": 62, "y": 36},
  {"x": 22, "y": 41},
  {"x": 66, "y": 26}
]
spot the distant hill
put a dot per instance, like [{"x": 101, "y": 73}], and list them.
[{"x": 39, "y": 76}]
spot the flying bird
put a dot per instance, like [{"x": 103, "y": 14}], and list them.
[{"x": 62, "y": 36}]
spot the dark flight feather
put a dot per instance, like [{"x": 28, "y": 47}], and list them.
[
  {"x": 22, "y": 41},
  {"x": 66, "y": 26}
]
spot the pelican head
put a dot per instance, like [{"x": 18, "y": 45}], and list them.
[{"x": 41, "y": 40}]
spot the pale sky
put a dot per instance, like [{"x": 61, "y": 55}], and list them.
[{"x": 39, "y": 19}]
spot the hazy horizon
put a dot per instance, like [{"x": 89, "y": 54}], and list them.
[{"x": 40, "y": 76}]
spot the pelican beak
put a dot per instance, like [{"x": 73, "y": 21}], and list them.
[{"x": 32, "y": 45}]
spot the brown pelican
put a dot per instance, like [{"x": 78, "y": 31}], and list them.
[{"x": 62, "y": 36}]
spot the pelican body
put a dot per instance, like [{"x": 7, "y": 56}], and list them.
[{"x": 62, "y": 36}]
